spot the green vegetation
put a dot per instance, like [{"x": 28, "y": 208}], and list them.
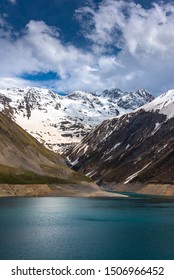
[
  {"x": 11, "y": 175},
  {"x": 11, "y": 132},
  {"x": 25, "y": 161}
]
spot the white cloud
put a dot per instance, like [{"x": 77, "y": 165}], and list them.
[
  {"x": 12, "y": 1},
  {"x": 128, "y": 26},
  {"x": 40, "y": 50},
  {"x": 14, "y": 82},
  {"x": 144, "y": 36}
]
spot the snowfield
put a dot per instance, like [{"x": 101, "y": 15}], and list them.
[{"x": 59, "y": 121}]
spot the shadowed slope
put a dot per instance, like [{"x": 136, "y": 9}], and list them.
[{"x": 24, "y": 160}]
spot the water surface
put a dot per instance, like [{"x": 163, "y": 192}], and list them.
[{"x": 81, "y": 228}]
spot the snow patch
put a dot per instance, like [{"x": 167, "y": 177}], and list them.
[
  {"x": 162, "y": 148},
  {"x": 157, "y": 127},
  {"x": 136, "y": 173},
  {"x": 113, "y": 148},
  {"x": 163, "y": 104},
  {"x": 127, "y": 147},
  {"x": 72, "y": 163}
]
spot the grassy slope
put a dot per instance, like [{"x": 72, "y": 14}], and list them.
[{"x": 24, "y": 160}]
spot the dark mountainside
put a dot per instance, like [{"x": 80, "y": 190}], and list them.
[{"x": 130, "y": 153}]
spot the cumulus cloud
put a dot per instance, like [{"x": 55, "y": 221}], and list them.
[
  {"x": 127, "y": 25},
  {"x": 39, "y": 50},
  {"x": 143, "y": 37},
  {"x": 131, "y": 47}
]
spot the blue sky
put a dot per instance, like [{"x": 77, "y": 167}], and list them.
[{"x": 70, "y": 45}]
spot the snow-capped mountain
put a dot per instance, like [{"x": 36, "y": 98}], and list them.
[
  {"x": 132, "y": 152},
  {"x": 163, "y": 104},
  {"x": 59, "y": 121}
]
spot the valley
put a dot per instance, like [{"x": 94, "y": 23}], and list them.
[{"x": 112, "y": 141}]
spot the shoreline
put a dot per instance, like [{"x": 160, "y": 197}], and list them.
[
  {"x": 83, "y": 189},
  {"x": 87, "y": 190},
  {"x": 150, "y": 189}
]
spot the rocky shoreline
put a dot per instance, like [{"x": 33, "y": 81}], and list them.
[
  {"x": 8, "y": 190},
  {"x": 147, "y": 189},
  {"x": 82, "y": 189}
]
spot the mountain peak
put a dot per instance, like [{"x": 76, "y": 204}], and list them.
[
  {"x": 162, "y": 104},
  {"x": 133, "y": 152},
  {"x": 113, "y": 92},
  {"x": 59, "y": 121}
]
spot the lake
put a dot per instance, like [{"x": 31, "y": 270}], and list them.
[{"x": 82, "y": 228}]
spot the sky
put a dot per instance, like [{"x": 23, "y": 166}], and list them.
[{"x": 68, "y": 45}]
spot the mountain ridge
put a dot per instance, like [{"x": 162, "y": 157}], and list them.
[
  {"x": 60, "y": 121},
  {"x": 135, "y": 149},
  {"x": 27, "y": 168}
]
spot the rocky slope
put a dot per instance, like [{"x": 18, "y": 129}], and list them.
[
  {"x": 23, "y": 160},
  {"x": 130, "y": 152},
  {"x": 58, "y": 121}
]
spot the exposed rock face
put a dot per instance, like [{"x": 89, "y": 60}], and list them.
[
  {"x": 60, "y": 121},
  {"x": 136, "y": 148}
]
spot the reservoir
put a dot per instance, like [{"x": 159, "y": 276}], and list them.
[{"x": 86, "y": 228}]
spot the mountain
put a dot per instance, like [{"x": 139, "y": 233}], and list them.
[
  {"x": 133, "y": 152},
  {"x": 59, "y": 121},
  {"x": 23, "y": 160},
  {"x": 27, "y": 168}
]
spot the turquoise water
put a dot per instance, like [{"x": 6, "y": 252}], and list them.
[{"x": 80, "y": 228}]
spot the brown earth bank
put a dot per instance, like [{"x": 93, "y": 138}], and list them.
[
  {"x": 139, "y": 188},
  {"x": 83, "y": 189},
  {"x": 8, "y": 190}
]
